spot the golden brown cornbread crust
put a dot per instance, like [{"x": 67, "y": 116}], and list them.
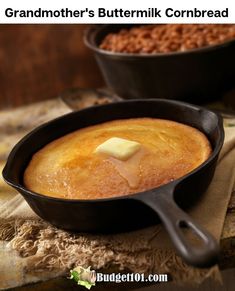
[{"x": 69, "y": 168}]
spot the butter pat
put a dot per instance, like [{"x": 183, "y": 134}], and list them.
[{"x": 118, "y": 148}]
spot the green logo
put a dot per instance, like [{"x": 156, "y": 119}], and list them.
[{"x": 83, "y": 276}]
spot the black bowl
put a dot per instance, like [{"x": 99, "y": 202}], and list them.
[{"x": 197, "y": 75}]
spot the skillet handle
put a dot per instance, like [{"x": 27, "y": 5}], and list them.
[{"x": 174, "y": 220}]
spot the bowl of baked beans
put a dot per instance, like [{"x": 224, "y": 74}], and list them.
[{"x": 193, "y": 62}]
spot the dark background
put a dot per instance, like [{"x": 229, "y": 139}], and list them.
[{"x": 38, "y": 62}]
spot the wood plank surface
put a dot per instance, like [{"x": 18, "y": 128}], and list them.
[{"x": 40, "y": 61}]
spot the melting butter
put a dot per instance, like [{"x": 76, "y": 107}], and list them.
[
  {"x": 129, "y": 169},
  {"x": 118, "y": 148}
]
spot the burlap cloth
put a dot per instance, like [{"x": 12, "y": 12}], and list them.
[{"x": 32, "y": 250}]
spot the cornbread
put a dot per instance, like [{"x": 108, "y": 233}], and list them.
[{"x": 70, "y": 167}]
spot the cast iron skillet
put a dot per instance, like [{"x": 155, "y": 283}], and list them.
[
  {"x": 194, "y": 75},
  {"x": 132, "y": 211}
]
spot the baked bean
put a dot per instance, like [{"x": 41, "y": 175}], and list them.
[{"x": 163, "y": 38}]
